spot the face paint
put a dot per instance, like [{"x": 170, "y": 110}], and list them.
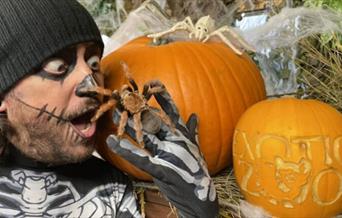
[
  {"x": 51, "y": 123},
  {"x": 58, "y": 67},
  {"x": 43, "y": 110},
  {"x": 50, "y": 137}
]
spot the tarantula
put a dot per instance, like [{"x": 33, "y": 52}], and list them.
[
  {"x": 132, "y": 103},
  {"x": 203, "y": 30}
]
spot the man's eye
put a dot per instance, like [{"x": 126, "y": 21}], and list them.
[
  {"x": 56, "y": 66},
  {"x": 94, "y": 63}
]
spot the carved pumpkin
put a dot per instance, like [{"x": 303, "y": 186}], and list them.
[
  {"x": 208, "y": 79},
  {"x": 287, "y": 157}
]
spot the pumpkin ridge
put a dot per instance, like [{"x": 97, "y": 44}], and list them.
[
  {"x": 175, "y": 66},
  {"x": 314, "y": 112},
  {"x": 220, "y": 154},
  {"x": 332, "y": 121},
  {"x": 195, "y": 73},
  {"x": 325, "y": 110},
  {"x": 250, "y": 71},
  {"x": 308, "y": 104},
  {"x": 293, "y": 112},
  {"x": 207, "y": 75},
  {"x": 236, "y": 81},
  {"x": 238, "y": 84},
  {"x": 257, "y": 92}
]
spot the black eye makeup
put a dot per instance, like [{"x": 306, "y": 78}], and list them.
[
  {"x": 94, "y": 63},
  {"x": 93, "y": 58},
  {"x": 60, "y": 65},
  {"x": 57, "y": 66}
]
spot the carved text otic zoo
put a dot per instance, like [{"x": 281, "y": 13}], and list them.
[{"x": 293, "y": 178}]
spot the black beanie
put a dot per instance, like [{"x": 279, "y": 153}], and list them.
[{"x": 33, "y": 30}]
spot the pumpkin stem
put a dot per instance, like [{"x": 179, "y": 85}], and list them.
[{"x": 160, "y": 41}]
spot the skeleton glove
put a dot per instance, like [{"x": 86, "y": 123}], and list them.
[{"x": 174, "y": 161}]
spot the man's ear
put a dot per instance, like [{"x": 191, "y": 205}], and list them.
[{"x": 3, "y": 107}]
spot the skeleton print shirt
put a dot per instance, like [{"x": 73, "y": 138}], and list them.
[{"x": 89, "y": 189}]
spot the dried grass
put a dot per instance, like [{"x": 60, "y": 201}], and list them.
[
  {"x": 320, "y": 70},
  {"x": 229, "y": 195}
]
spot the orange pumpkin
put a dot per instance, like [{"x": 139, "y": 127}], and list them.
[
  {"x": 287, "y": 157},
  {"x": 208, "y": 79}
]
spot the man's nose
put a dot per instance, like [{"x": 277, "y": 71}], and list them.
[{"x": 87, "y": 87}]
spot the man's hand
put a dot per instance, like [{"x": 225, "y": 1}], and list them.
[{"x": 174, "y": 161}]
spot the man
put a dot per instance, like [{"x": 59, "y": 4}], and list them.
[{"x": 48, "y": 49}]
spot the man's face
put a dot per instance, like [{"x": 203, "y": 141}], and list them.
[{"x": 50, "y": 122}]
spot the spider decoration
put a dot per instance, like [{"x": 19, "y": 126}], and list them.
[
  {"x": 131, "y": 103},
  {"x": 203, "y": 30}
]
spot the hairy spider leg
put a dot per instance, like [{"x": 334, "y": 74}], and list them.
[
  {"x": 124, "y": 88},
  {"x": 99, "y": 90},
  {"x": 138, "y": 128},
  {"x": 129, "y": 76},
  {"x": 104, "y": 108},
  {"x": 122, "y": 124},
  {"x": 115, "y": 98}
]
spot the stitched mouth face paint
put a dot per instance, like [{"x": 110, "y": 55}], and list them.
[
  {"x": 80, "y": 120},
  {"x": 51, "y": 123},
  {"x": 50, "y": 138}
]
